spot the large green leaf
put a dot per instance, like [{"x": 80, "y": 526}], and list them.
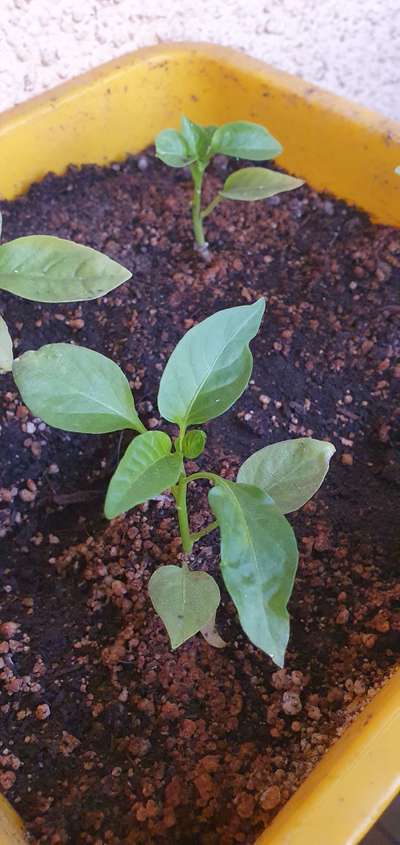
[
  {"x": 6, "y": 348},
  {"x": 290, "y": 471},
  {"x": 172, "y": 149},
  {"x": 47, "y": 269},
  {"x": 243, "y": 139},
  {"x": 258, "y": 562},
  {"x": 257, "y": 183},
  {"x": 147, "y": 468},
  {"x": 76, "y": 389},
  {"x": 185, "y": 600},
  {"x": 210, "y": 367}
]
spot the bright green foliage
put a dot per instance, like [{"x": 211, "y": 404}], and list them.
[
  {"x": 47, "y": 269},
  {"x": 194, "y": 146},
  {"x": 80, "y": 390},
  {"x": 6, "y": 348},
  {"x": 147, "y": 469},
  {"x": 76, "y": 389},
  {"x": 193, "y": 443},
  {"x": 258, "y": 562},
  {"x": 185, "y": 600},
  {"x": 290, "y": 472},
  {"x": 257, "y": 183},
  {"x": 210, "y": 367}
]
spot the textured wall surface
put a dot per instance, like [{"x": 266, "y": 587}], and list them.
[{"x": 348, "y": 46}]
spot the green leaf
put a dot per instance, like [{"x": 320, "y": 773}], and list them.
[
  {"x": 47, "y": 269},
  {"x": 243, "y": 139},
  {"x": 76, "y": 389},
  {"x": 185, "y": 600},
  {"x": 258, "y": 562},
  {"x": 6, "y": 348},
  {"x": 197, "y": 138},
  {"x": 172, "y": 149},
  {"x": 194, "y": 443},
  {"x": 147, "y": 468},
  {"x": 290, "y": 471},
  {"x": 257, "y": 183},
  {"x": 210, "y": 367}
]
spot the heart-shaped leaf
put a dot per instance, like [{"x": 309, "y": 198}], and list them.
[
  {"x": 47, "y": 269},
  {"x": 6, "y": 348},
  {"x": 185, "y": 600},
  {"x": 242, "y": 139},
  {"x": 210, "y": 367},
  {"x": 258, "y": 562},
  {"x": 193, "y": 443},
  {"x": 290, "y": 471},
  {"x": 76, "y": 389},
  {"x": 147, "y": 468},
  {"x": 172, "y": 149},
  {"x": 257, "y": 183}
]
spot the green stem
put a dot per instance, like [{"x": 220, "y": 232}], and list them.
[
  {"x": 197, "y": 174},
  {"x": 207, "y": 530},
  {"x": 183, "y": 519},
  {"x": 209, "y": 208}
]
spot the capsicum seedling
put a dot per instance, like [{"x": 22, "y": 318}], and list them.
[
  {"x": 44, "y": 268},
  {"x": 78, "y": 389},
  {"x": 194, "y": 147}
]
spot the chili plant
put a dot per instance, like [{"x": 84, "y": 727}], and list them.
[
  {"x": 194, "y": 147},
  {"x": 44, "y": 268},
  {"x": 78, "y": 389}
]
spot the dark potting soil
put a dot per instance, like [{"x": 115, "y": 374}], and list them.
[{"x": 106, "y": 735}]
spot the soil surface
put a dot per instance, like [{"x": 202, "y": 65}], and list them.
[{"x": 106, "y": 735}]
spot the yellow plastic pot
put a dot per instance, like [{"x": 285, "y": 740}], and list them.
[{"x": 336, "y": 146}]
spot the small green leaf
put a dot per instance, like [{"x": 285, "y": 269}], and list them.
[
  {"x": 6, "y": 348},
  {"x": 172, "y": 149},
  {"x": 193, "y": 443},
  {"x": 210, "y": 367},
  {"x": 243, "y": 139},
  {"x": 257, "y": 183},
  {"x": 258, "y": 562},
  {"x": 76, "y": 389},
  {"x": 185, "y": 600},
  {"x": 290, "y": 471},
  {"x": 47, "y": 269},
  {"x": 147, "y": 468},
  {"x": 196, "y": 137}
]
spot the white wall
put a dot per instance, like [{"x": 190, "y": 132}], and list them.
[{"x": 348, "y": 46}]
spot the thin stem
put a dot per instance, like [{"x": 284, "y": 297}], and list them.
[
  {"x": 208, "y": 476},
  {"x": 183, "y": 519},
  {"x": 197, "y": 174},
  {"x": 209, "y": 208},
  {"x": 203, "y": 531}
]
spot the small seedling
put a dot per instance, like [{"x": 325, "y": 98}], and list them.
[
  {"x": 194, "y": 147},
  {"x": 77, "y": 389},
  {"x": 44, "y": 268}
]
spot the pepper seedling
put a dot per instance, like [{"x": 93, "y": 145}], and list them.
[
  {"x": 44, "y": 268},
  {"x": 78, "y": 389},
  {"x": 194, "y": 147}
]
